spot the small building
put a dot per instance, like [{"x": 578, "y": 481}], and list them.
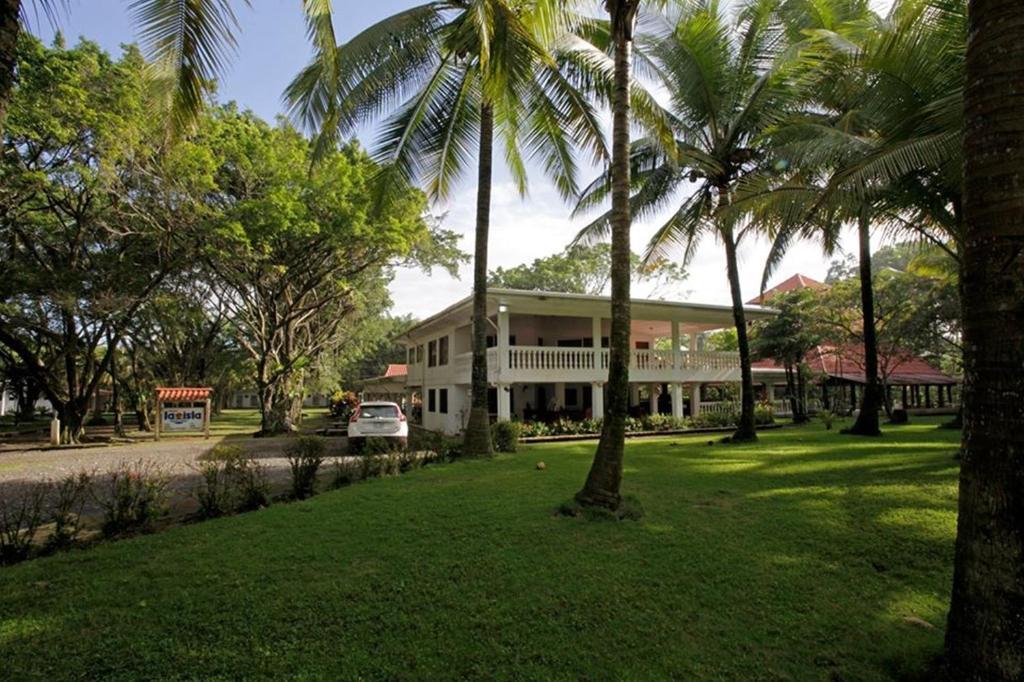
[
  {"x": 389, "y": 386},
  {"x": 548, "y": 355}
]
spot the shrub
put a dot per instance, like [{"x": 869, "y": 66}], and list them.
[
  {"x": 231, "y": 480},
  {"x": 345, "y": 473},
  {"x": 534, "y": 430},
  {"x": 764, "y": 414},
  {"x": 827, "y": 418},
  {"x": 68, "y": 500},
  {"x": 506, "y": 436},
  {"x": 376, "y": 445},
  {"x": 634, "y": 425},
  {"x": 343, "y": 403},
  {"x": 133, "y": 498},
  {"x": 21, "y": 515},
  {"x": 591, "y": 425},
  {"x": 305, "y": 456}
]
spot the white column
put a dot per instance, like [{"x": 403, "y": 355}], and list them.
[
  {"x": 597, "y": 400},
  {"x": 676, "y": 354},
  {"x": 677, "y": 399},
  {"x": 503, "y": 339},
  {"x": 770, "y": 389},
  {"x": 653, "y": 398},
  {"x": 504, "y": 403},
  {"x": 560, "y": 395},
  {"x": 694, "y": 399},
  {"x": 634, "y": 395}
]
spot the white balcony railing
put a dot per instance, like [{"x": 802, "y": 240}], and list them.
[{"x": 545, "y": 358}]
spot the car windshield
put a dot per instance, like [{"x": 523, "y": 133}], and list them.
[{"x": 379, "y": 412}]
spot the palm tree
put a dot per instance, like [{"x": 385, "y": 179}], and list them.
[
  {"x": 454, "y": 74},
  {"x": 604, "y": 480},
  {"x": 188, "y": 43},
  {"x": 879, "y": 148},
  {"x": 729, "y": 82},
  {"x": 985, "y": 637}
]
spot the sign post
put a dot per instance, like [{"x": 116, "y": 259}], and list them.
[{"x": 183, "y": 409}]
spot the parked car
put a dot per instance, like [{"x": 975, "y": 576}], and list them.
[{"x": 377, "y": 420}]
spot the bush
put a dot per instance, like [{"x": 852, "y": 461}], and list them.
[
  {"x": 68, "y": 500},
  {"x": 345, "y": 473},
  {"x": 506, "y": 436},
  {"x": 134, "y": 496},
  {"x": 764, "y": 414},
  {"x": 21, "y": 515},
  {"x": 343, "y": 403},
  {"x": 591, "y": 425},
  {"x": 376, "y": 445},
  {"x": 232, "y": 481},
  {"x": 827, "y": 418},
  {"x": 305, "y": 456}
]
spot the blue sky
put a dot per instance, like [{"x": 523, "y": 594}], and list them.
[{"x": 272, "y": 48}]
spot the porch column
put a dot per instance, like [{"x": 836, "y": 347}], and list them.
[
  {"x": 634, "y": 394},
  {"x": 928, "y": 396},
  {"x": 677, "y": 356},
  {"x": 904, "y": 403},
  {"x": 693, "y": 341},
  {"x": 504, "y": 403},
  {"x": 769, "y": 391},
  {"x": 942, "y": 396},
  {"x": 560, "y": 396},
  {"x": 677, "y": 399},
  {"x": 503, "y": 339},
  {"x": 597, "y": 400},
  {"x": 652, "y": 400},
  {"x": 694, "y": 400}
]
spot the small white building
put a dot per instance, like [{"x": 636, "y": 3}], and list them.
[{"x": 548, "y": 353}]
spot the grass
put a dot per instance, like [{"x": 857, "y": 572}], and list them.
[{"x": 806, "y": 556}]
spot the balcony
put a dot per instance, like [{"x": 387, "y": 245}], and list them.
[{"x": 536, "y": 364}]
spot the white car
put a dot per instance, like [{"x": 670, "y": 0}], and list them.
[{"x": 377, "y": 420}]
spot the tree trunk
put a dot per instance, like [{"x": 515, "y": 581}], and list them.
[
  {"x": 985, "y": 631},
  {"x": 603, "y": 483},
  {"x": 115, "y": 396},
  {"x": 273, "y": 411},
  {"x": 867, "y": 420},
  {"x": 477, "y": 442},
  {"x": 745, "y": 430},
  {"x": 10, "y": 30}
]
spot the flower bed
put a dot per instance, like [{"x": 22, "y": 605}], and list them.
[{"x": 649, "y": 424}]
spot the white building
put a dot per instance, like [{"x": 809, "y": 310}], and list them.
[{"x": 548, "y": 354}]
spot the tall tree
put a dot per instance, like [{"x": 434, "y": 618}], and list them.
[
  {"x": 93, "y": 216},
  {"x": 187, "y": 42},
  {"x": 602, "y": 487},
  {"x": 730, "y": 82},
  {"x": 296, "y": 252},
  {"x": 985, "y": 637},
  {"x": 455, "y": 75}
]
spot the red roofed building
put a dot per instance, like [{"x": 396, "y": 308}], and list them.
[
  {"x": 839, "y": 370},
  {"x": 388, "y": 386}
]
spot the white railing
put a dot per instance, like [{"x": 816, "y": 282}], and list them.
[
  {"x": 538, "y": 357},
  {"x": 719, "y": 406},
  {"x": 555, "y": 358}
]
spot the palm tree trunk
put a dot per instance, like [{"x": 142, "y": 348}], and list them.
[
  {"x": 10, "y": 30},
  {"x": 867, "y": 420},
  {"x": 478, "y": 429},
  {"x": 605, "y": 478},
  {"x": 985, "y": 631},
  {"x": 745, "y": 429}
]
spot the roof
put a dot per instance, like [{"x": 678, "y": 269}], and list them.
[
  {"x": 183, "y": 394},
  {"x": 795, "y": 282},
  {"x": 847, "y": 363},
  {"x": 706, "y": 315},
  {"x": 395, "y": 370}
]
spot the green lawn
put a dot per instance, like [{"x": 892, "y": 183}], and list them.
[{"x": 799, "y": 558}]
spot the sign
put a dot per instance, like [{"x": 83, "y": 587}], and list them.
[{"x": 183, "y": 418}]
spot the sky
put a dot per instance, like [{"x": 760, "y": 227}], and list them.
[{"x": 272, "y": 48}]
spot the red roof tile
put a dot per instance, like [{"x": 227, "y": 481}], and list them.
[
  {"x": 396, "y": 371},
  {"x": 183, "y": 394},
  {"x": 797, "y": 281},
  {"x": 847, "y": 363}
]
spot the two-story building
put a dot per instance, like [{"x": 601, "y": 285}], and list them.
[{"x": 548, "y": 355}]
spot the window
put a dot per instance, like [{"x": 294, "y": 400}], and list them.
[
  {"x": 432, "y": 400},
  {"x": 432, "y": 355},
  {"x": 443, "y": 399},
  {"x": 411, "y": 356},
  {"x": 442, "y": 351},
  {"x": 419, "y": 353},
  {"x": 492, "y": 341},
  {"x": 378, "y": 412},
  {"x": 643, "y": 345}
]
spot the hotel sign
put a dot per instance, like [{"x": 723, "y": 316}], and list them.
[{"x": 183, "y": 418}]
